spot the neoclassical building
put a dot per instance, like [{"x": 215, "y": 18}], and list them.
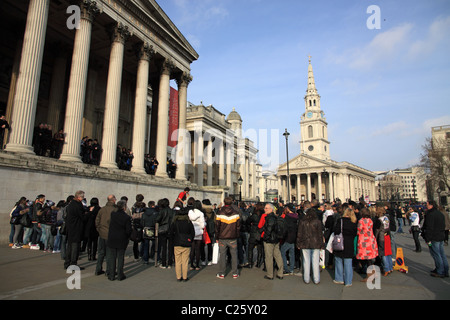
[
  {"x": 220, "y": 155},
  {"x": 89, "y": 69},
  {"x": 313, "y": 174}
]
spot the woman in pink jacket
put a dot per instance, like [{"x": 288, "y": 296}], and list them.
[{"x": 367, "y": 244}]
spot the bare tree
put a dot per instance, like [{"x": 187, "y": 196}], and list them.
[{"x": 435, "y": 161}]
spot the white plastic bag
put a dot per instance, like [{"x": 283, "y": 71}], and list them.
[{"x": 215, "y": 255}]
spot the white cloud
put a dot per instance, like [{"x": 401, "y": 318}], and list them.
[
  {"x": 384, "y": 48},
  {"x": 437, "y": 33}
]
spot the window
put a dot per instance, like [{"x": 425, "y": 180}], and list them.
[{"x": 310, "y": 131}]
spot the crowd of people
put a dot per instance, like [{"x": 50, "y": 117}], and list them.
[
  {"x": 47, "y": 144},
  {"x": 192, "y": 234}
]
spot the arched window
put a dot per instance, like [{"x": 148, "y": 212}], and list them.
[
  {"x": 314, "y": 102},
  {"x": 310, "y": 103},
  {"x": 310, "y": 132}
]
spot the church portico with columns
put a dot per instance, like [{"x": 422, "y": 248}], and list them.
[{"x": 313, "y": 174}]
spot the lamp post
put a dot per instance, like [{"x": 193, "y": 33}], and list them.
[
  {"x": 240, "y": 188},
  {"x": 413, "y": 181},
  {"x": 286, "y": 135}
]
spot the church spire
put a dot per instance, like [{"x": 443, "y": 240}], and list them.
[
  {"x": 312, "y": 98},
  {"x": 311, "y": 83}
]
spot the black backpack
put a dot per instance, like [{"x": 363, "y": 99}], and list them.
[{"x": 275, "y": 229}]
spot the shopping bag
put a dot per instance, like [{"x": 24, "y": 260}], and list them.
[
  {"x": 387, "y": 245},
  {"x": 322, "y": 259},
  {"x": 206, "y": 238},
  {"x": 215, "y": 257},
  {"x": 330, "y": 244}
]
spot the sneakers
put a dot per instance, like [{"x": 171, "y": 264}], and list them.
[
  {"x": 16, "y": 246},
  {"x": 220, "y": 276},
  {"x": 34, "y": 247},
  {"x": 235, "y": 275}
]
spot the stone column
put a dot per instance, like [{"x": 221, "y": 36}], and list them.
[
  {"x": 198, "y": 146},
  {"x": 27, "y": 87},
  {"x": 330, "y": 186},
  {"x": 209, "y": 162},
  {"x": 145, "y": 53},
  {"x": 119, "y": 34},
  {"x": 308, "y": 186},
  {"x": 221, "y": 164},
  {"x": 163, "y": 118},
  {"x": 319, "y": 186},
  {"x": 299, "y": 192},
  {"x": 183, "y": 154},
  {"x": 229, "y": 163},
  {"x": 77, "y": 83}
]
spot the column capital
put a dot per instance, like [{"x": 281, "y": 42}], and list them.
[
  {"x": 184, "y": 79},
  {"x": 89, "y": 10},
  {"x": 144, "y": 51},
  {"x": 167, "y": 67},
  {"x": 119, "y": 32}
]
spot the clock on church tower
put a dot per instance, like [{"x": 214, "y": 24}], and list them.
[{"x": 313, "y": 125}]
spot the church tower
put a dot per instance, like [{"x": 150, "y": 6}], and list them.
[{"x": 313, "y": 124}]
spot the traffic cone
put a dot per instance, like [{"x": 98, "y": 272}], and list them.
[{"x": 400, "y": 262}]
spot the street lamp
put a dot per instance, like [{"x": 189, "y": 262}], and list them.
[
  {"x": 286, "y": 135},
  {"x": 439, "y": 195},
  {"x": 413, "y": 181},
  {"x": 240, "y": 188}
]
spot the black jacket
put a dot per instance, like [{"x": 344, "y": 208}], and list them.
[
  {"x": 349, "y": 231},
  {"x": 182, "y": 230},
  {"x": 434, "y": 226},
  {"x": 119, "y": 230},
  {"x": 75, "y": 219}
]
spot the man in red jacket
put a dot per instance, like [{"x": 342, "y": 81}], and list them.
[{"x": 228, "y": 225}]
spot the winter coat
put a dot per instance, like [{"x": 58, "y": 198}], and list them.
[
  {"x": 349, "y": 230},
  {"x": 367, "y": 244},
  {"x": 119, "y": 230},
  {"x": 380, "y": 230},
  {"x": 103, "y": 218},
  {"x": 310, "y": 234},
  {"x": 89, "y": 230},
  {"x": 198, "y": 220},
  {"x": 228, "y": 223},
  {"x": 75, "y": 221},
  {"x": 253, "y": 221},
  {"x": 181, "y": 230},
  {"x": 292, "y": 227},
  {"x": 434, "y": 226}
]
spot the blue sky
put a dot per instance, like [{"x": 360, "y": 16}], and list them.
[{"x": 381, "y": 90}]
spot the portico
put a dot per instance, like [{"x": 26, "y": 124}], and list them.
[{"x": 96, "y": 80}]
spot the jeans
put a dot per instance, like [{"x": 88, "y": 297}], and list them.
[
  {"x": 343, "y": 270},
  {"x": 400, "y": 225},
  {"x": 27, "y": 235},
  {"x": 46, "y": 230},
  {"x": 289, "y": 248},
  {"x": 57, "y": 243},
  {"x": 311, "y": 257},
  {"x": 438, "y": 255},
  {"x": 386, "y": 263}
]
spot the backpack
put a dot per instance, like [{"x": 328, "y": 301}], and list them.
[{"x": 275, "y": 229}]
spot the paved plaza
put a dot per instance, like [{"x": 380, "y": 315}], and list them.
[{"x": 35, "y": 275}]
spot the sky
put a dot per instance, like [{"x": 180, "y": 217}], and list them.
[{"x": 381, "y": 89}]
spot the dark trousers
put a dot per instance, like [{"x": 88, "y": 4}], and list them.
[
  {"x": 72, "y": 254},
  {"x": 115, "y": 258},
  {"x": 102, "y": 254}
]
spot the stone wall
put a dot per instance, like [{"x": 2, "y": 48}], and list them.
[{"x": 29, "y": 175}]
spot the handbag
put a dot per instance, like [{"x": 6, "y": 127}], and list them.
[
  {"x": 338, "y": 241},
  {"x": 206, "y": 238},
  {"x": 149, "y": 233}
]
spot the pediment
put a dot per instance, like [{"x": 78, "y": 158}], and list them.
[
  {"x": 302, "y": 163},
  {"x": 164, "y": 26}
]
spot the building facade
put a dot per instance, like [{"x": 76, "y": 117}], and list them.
[{"x": 313, "y": 174}]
